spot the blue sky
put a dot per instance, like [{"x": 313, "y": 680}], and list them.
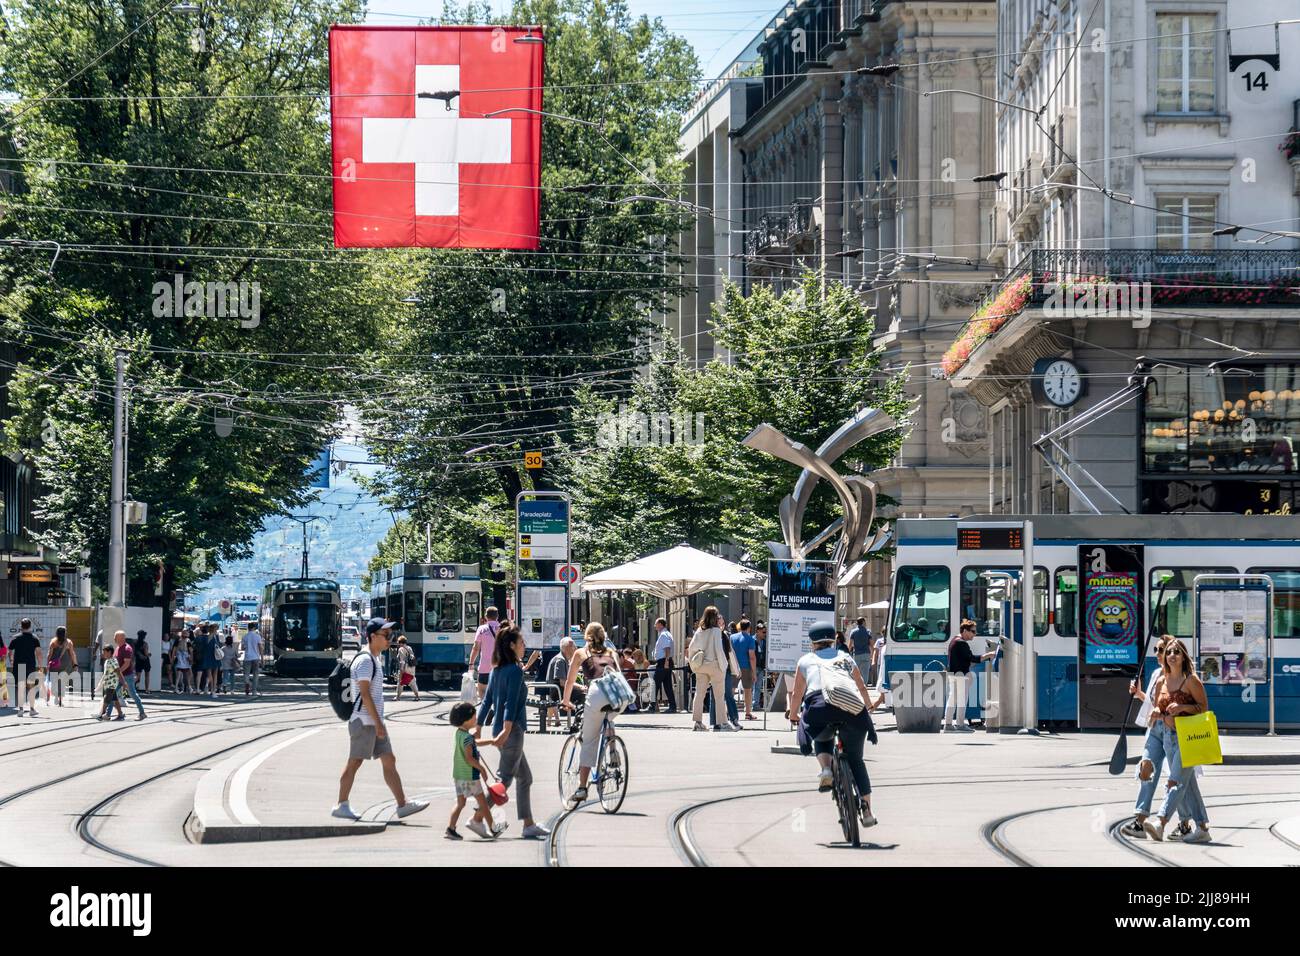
[{"x": 718, "y": 30}]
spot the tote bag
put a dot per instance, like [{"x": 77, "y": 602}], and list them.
[{"x": 1198, "y": 739}]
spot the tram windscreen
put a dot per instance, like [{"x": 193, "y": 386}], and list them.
[
  {"x": 921, "y": 602},
  {"x": 307, "y": 627},
  {"x": 442, "y": 611}
]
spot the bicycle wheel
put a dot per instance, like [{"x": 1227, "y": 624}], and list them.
[
  {"x": 846, "y": 791},
  {"x": 569, "y": 767},
  {"x": 611, "y": 782}
]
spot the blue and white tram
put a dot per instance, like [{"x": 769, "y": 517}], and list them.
[
  {"x": 301, "y": 625},
  {"x": 942, "y": 577},
  {"x": 437, "y": 607}
]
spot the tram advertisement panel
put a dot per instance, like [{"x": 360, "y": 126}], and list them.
[
  {"x": 800, "y": 594},
  {"x": 1110, "y": 602}
]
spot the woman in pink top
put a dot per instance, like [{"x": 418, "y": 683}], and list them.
[{"x": 484, "y": 644}]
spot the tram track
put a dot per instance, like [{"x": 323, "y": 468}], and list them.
[
  {"x": 994, "y": 831},
  {"x": 87, "y": 817}
]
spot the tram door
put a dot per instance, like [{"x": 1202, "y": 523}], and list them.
[{"x": 1111, "y": 631}]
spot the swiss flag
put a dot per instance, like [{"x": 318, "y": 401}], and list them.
[{"x": 423, "y": 154}]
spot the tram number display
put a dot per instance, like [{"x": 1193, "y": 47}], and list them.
[{"x": 990, "y": 539}]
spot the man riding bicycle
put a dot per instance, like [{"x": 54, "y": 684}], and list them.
[{"x": 821, "y": 672}]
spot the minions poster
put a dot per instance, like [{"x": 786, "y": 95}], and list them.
[{"x": 1111, "y": 608}]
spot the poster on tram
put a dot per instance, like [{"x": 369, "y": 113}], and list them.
[
  {"x": 1111, "y": 604},
  {"x": 800, "y": 594}
]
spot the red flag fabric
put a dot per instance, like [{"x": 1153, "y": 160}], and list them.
[{"x": 422, "y": 153}]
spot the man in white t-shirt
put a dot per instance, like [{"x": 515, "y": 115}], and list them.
[
  {"x": 367, "y": 735},
  {"x": 252, "y": 644}
]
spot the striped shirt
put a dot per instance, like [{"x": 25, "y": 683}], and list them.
[{"x": 366, "y": 666}]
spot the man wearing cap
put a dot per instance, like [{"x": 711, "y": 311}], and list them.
[{"x": 367, "y": 735}]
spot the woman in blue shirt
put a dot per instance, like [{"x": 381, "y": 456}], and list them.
[{"x": 505, "y": 703}]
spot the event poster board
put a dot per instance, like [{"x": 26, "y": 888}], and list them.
[
  {"x": 1232, "y": 630},
  {"x": 1110, "y": 602},
  {"x": 543, "y": 613},
  {"x": 799, "y": 595}
]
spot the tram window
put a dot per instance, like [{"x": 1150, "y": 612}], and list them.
[
  {"x": 1286, "y": 600},
  {"x": 442, "y": 611},
  {"x": 922, "y": 598},
  {"x": 471, "y": 611},
  {"x": 411, "y": 613},
  {"x": 978, "y": 604},
  {"x": 1066, "y": 609},
  {"x": 1176, "y": 611}
]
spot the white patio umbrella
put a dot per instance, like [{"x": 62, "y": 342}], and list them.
[
  {"x": 673, "y": 576},
  {"x": 676, "y": 573}
]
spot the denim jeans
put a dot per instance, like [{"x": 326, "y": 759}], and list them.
[
  {"x": 729, "y": 691},
  {"x": 760, "y": 678},
  {"x": 1185, "y": 795},
  {"x": 129, "y": 682}
]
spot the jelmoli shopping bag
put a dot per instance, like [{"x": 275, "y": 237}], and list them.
[{"x": 1198, "y": 739}]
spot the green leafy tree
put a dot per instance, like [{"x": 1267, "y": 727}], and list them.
[
  {"x": 801, "y": 361},
  {"x": 155, "y": 144},
  {"x": 491, "y": 357}
]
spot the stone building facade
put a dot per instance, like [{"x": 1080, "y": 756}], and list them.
[{"x": 1135, "y": 137}]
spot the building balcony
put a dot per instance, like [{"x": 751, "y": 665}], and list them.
[
  {"x": 781, "y": 232},
  {"x": 1238, "y": 278}
]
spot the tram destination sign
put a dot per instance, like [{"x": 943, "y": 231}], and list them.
[
  {"x": 543, "y": 530},
  {"x": 800, "y": 594},
  {"x": 1001, "y": 538}
]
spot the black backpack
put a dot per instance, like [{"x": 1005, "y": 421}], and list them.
[{"x": 340, "y": 688}]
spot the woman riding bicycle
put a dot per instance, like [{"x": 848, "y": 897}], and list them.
[
  {"x": 819, "y": 718},
  {"x": 591, "y": 660}
]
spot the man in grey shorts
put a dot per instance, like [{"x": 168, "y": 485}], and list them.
[{"x": 367, "y": 735}]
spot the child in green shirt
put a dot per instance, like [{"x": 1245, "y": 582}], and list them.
[{"x": 466, "y": 771}]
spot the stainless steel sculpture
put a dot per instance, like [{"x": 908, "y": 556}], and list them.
[{"x": 857, "y": 493}]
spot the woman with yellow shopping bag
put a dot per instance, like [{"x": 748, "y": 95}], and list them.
[{"x": 1179, "y": 695}]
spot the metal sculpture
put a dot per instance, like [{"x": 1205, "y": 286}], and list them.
[{"x": 857, "y": 493}]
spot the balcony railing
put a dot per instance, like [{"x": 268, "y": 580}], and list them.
[
  {"x": 777, "y": 232},
  {"x": 1183, "y": 276},
  {"x": 1237, "y": 278}
]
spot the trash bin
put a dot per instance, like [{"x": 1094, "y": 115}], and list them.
[{"x": 918, "y": 700}]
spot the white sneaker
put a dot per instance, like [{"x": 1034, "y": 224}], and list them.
[
  {"x": 868, "y": 819},
  {"x": 946, "y": 729},
  {"x": 410, "y": 807},
  {"x": 825, "y": 781},
  {"x": 964, "y": 729},
  {"x": 1197, "y": 836},
  {"x": 345, "y": 812},
  {"x": 535, "y": 832},
  {"x": 500, "y": 827},
  {"x": 725, "y": 729},
  {"x": 480, "y": 829},
  {"x": 735, "y": 726}
]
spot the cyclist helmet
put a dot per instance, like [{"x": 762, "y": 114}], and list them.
[{"x": 821, "y": 633}]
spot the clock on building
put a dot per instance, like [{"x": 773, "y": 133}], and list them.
[{"x": 1056, "y": 382}]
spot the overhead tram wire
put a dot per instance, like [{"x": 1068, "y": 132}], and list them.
[{"x": 704, "y": 82}]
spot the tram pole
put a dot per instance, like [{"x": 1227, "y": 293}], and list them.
[
  {"x": 1029, "y": 664},
  {"x": 117, "y": 495}
]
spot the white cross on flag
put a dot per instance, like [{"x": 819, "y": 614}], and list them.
[{"x": 418, "y": 160}]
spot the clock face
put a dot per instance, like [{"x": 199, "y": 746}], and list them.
[{"x": 1062, "y": 383}]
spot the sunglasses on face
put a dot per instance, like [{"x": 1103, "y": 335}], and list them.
[{"x": 1173, "y": 653}]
